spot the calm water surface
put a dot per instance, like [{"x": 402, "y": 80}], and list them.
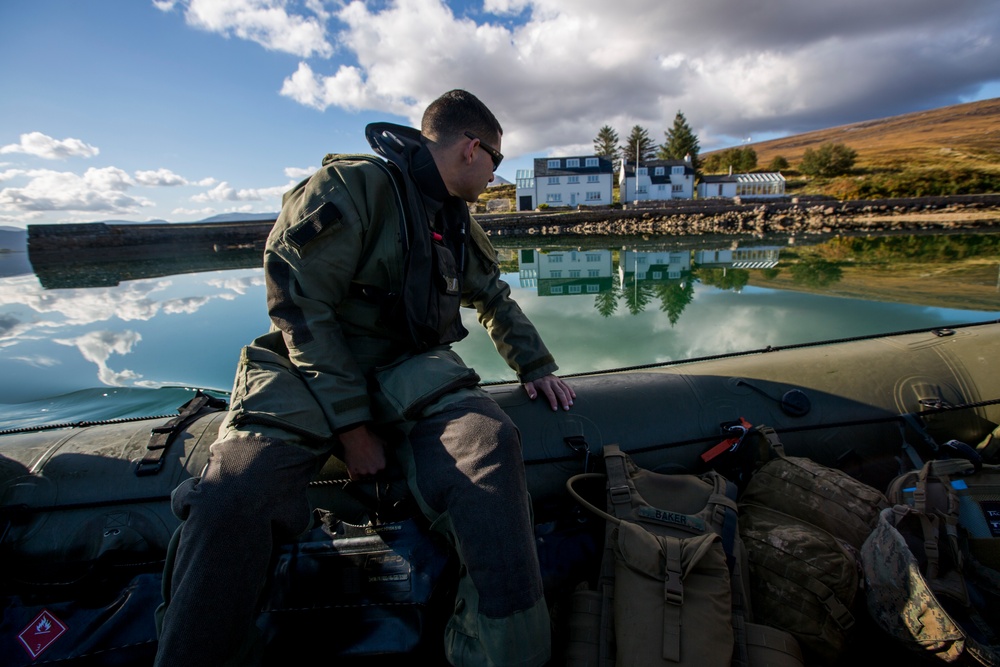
[{"x": 118, "y": 339}]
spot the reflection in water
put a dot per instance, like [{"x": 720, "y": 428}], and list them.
[
  {"x": 638, "y": 276},
  {"x": 654, "y": 300}
]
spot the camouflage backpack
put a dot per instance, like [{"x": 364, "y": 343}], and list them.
[
  {"x": 802, "y": 524},
  {"x": 927, "y": 584}
]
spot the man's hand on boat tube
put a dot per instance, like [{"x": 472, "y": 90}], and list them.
[
  {"x": 558, "y": 392},
  {"x": 364, "y": 451}
]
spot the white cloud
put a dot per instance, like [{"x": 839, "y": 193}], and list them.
[
  {"x": 101, "y": 189},
  {"x": 44, "y": 146},
  {"x": 163, "y": 177},
  {"x": 290, "y": 172},
  {"x": 40, "y": 361},
  {"x": 224, "y": 192},
  {"x": 194, "y": 213},
  {"x": 555, "y": 71},
  {"x": 266, "y": 22},
  {"x": 98, "y": 346}
]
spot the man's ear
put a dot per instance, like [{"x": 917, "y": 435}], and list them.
[{"x": 469, "y": 147}]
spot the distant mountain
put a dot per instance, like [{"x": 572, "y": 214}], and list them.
[
  {"x": 13, "y": 239},
  {"x": 240, "y": 217},
  {"x": 131, "y": 222},
  {"x": 961, "y": 135}
]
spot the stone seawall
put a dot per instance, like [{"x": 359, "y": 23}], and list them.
[
  {"x": 787, "y": 216},
  {"x": 144, "y": 240},
  {"x": 673, "y": 218}
]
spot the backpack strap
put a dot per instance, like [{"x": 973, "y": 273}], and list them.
[{"x": 619, "y": 494}]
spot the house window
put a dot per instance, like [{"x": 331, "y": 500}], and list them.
[
  {"x": 657, "y": 275},
  {"x": 591, "y": 257},
  {"x": 554, "y": 164},
  {"x": 573, "y": 180},
  {"x": 677, "y": 170},
  {"x": 593, "y": 196},
  {"x": 555, "y": 259},
  {"x": 676, "y": 258},
  {"x": 591, "y": 162},
  {"x": 677, "y": 188},
  {"x": 659, "y": 171},
  {"x": 643, "y": 189},
  {"x": 557, "y": 289},
  {"x": 661, "y": 188},
  {"x": 643, "y": 171},
  {"x": 640, "y": 260},
  {"x": 553, "y": 180},
  {"x": 593, "y": 178},
  {"x": 593, "y": 273},
  {"x": 553, "y": 197},
  {"x": 575, "y": 289},
  {"x": 575, "y": 273},
  {"x": 572, "y": 162},
  {"x": 555, "y": 274},
  {"x": 593, "y": 289}
]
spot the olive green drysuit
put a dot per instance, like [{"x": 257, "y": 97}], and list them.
[{"x": 346, "y": 348}]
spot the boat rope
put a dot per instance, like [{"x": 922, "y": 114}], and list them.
[
  {"x": 79, "y": 424},
  {"x": 887, "y": 419},
  {"x": 938, "y": 331}
]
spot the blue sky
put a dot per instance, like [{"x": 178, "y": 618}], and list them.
[{"x": 179, "y": 110}]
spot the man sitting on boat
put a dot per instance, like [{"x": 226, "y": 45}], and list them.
[{"x": 366, "y": 268}]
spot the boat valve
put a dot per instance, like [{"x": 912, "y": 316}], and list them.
[{"x": 579, "y": 445}]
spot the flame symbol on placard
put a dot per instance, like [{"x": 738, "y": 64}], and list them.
[{"x": 43, "y": 626}]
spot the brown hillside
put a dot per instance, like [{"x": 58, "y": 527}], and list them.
[{"x": 969, "y": 133}]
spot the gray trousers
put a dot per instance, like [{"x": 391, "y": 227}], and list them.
[{"x": 463, "y": 465}]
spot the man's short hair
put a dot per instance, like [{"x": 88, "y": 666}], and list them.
[{"x": 456, "y": 112}]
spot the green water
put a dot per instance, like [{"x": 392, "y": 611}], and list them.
[{"x": 115, "y": 340}]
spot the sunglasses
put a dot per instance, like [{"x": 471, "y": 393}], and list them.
[{"x": 495, "y": 155}]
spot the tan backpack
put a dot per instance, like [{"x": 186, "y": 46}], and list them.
[{"x": 672, "y": 582}]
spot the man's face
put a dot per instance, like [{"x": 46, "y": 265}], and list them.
[{"x": 481, "y": 169}]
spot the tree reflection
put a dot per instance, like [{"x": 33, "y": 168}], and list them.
[
  {"x": 674, "y": 298},
  {"x": 606, "y": 302},
  {"x": 815, "y": 273},
  {"x": 724, "y": 279}
]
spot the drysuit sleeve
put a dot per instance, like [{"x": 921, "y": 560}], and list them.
[
  {"x": 513, "y": 334},
  {"x": 311, "y": 257}
]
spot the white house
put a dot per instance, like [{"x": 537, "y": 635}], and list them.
[
  {"x": 756, "y": 185},
  {"x": 565, "y": 272},
  {"x": 756, "y": 257},
  {"x": 653, "y": 266},
  {"x": 566, "y": 181},
  {"x": 656, "y": 179}
]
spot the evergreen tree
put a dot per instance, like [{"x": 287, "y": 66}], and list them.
[
  {"x": 681, "y": 142},
  {"x": 639, "y": 137},
  {"x": 606, "y": 143}
]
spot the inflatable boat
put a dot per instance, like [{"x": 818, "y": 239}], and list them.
[{"x": 86, "y": 521}]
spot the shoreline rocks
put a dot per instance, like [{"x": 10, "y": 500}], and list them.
[{"x": 786, "y": 216}]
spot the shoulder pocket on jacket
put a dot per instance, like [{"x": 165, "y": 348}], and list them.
[{"x": 312, "y": 225}]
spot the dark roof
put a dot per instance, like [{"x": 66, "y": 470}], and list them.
[
  {"x": 542, "y": 168},
  {"x": 652, "y": 164}
]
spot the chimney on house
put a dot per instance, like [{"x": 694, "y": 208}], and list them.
[
  {"x": 730, "y": 170},
  {"x": 687, "y": 157}
]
